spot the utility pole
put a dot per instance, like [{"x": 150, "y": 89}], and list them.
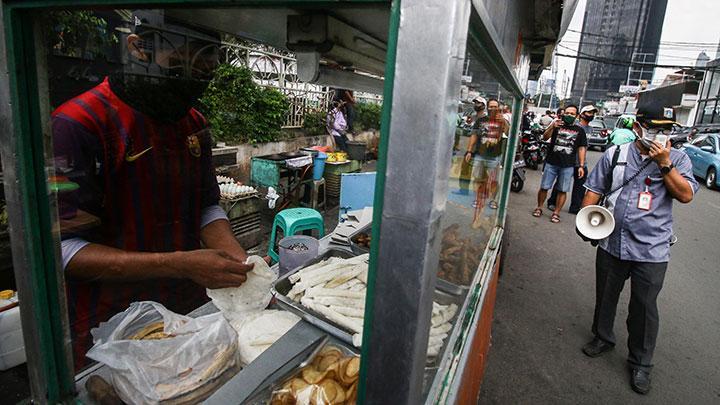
[{"x": 582, "y": 98}]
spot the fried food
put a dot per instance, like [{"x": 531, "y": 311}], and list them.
[
  {"x": 331, "y": 379},
  {"x": 152, "y": 331}
]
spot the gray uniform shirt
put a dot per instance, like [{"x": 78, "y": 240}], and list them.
[{"x": 641, "y": 235}]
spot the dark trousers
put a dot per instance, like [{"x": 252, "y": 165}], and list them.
[
  {"x": 578, "y": 192},
  {"x": 646, "y": 281},
  {"x": 341, "y": 142}
]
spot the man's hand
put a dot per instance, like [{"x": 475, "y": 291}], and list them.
[
  {"x": 210, "y": 268},
  {"x": 660, "y": 154},
  {"x": 593, "y": 242},
  {"x": 468, "y": 157},
  {"x": 581, "y": 172}
]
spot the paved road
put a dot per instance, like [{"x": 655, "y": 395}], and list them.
[{"x": 544, "y": 311}]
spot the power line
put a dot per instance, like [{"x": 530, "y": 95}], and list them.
[
  {"x": 624, "y": 62},
  {"x": 617, "y": 62},
  {"x": 688, "y": 48},
  {"x": 715, "y": 44}
]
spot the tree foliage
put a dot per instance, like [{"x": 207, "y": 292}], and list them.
[{"x": 241, "y": 111}]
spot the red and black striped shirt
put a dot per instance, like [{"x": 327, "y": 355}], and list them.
[{"x": 147, "y": 182}]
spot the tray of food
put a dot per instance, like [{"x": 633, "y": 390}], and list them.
[
  {"x": 360, "y": 241},
  {"x": 329, "y": 292},
  {"x": 328, "y": 375},
  {"x": 289, "y": 296},
  {"x": 459, "y": 259}
]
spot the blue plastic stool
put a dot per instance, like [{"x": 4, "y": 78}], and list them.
[{"x": 292, "y": 221}]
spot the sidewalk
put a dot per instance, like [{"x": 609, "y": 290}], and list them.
[{"x": 544, "y": 309}]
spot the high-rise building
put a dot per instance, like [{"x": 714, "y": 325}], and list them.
[{"x": 619, "y": 30}]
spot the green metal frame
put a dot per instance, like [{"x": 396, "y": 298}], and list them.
[
  {"x": 379, "y": 187},
  {"x": 47, "y": 305},
  {"x": 37, "y": 238},
  {"x": 509, "y": 160}
]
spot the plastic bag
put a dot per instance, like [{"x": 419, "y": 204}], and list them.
[
  {"x": 181, "y": 357},
  {"x": 331, "y": 378}
]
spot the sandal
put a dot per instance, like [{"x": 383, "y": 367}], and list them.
[
  {"x": 537, "y": 213},
  {"x": 555, "y": 218},
  {"x": 493, "y": 205}
]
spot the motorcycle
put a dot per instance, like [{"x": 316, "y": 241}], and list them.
[
  {"x": 518, "y": 174},
  {"x": 531, "y": 150}
]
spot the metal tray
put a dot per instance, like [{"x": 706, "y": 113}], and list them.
[
  {"x": 262, "y": 396},
  {"x": 445, "y": 298},
  {"x": 283, "y": 285},
  {"x": 357, "y": 249},
  {"x": 451, "y": 288}
]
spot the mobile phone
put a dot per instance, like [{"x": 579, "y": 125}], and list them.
[{"x": 661, "y": 139}]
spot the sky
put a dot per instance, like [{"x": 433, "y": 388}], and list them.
[{"x": 693, "y": 21}]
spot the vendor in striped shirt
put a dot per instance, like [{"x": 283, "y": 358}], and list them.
[{"x": 142, "y": 158}]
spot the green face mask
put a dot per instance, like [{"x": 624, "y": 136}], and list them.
[
  {"x": 568, "y": 119},
  {"x": 621, "y": 136}
]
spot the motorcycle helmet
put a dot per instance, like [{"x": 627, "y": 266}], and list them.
[
  {"x": 626, "y": 122},
  {"x": 621, "y": 136}
]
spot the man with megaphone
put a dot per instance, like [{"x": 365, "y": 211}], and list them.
[{"x": 627, "y": 213}]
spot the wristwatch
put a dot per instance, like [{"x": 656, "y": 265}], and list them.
[{"x": 664, "y": 170}]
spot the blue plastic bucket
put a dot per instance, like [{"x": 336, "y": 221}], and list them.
[{"x": 319, "y": 166}]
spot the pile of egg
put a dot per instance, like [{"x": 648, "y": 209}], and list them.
[
  {"x": 235, "y": 190},
  {"x": 224, "y": 179}
]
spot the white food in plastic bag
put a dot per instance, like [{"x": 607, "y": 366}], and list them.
[{"x": 151, "y": 371}]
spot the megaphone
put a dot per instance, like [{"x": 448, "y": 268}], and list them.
[{"x": 595, "y": 222}]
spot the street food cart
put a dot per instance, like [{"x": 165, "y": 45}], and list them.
[{"x": 438, "y": 220}]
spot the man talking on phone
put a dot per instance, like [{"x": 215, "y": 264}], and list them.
[{"x": 639, "y": 180}]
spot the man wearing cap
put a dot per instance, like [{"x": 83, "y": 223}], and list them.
[
  {"x": 648, "y": 176},
  {"x": 587, "y": 114}
]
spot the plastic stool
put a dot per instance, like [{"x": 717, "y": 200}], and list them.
[
  {"x": 317, "y": 193},
  {"x": 292, "y": 221}
]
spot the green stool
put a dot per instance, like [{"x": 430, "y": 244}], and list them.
[{"x": 293, "y": 221}]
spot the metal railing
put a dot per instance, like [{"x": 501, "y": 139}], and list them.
[{"x": 278, "y": 70}]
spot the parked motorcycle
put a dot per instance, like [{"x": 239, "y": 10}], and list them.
[
  {"x": 531, "y": 150},
  {"x": 518, "y": 174}
]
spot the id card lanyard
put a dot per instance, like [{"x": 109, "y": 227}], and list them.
[{"x": 645, "y": 197}]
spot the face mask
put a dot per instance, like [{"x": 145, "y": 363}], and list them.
[
  {"x": 622, "y": 136},
  {"x": 163, "y": 99},
  {"x": 568, "y": 119},
  {"x": 588, "y": 117}
]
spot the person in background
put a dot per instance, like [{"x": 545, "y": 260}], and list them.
[
  {"x": 639, "y": 246},
  {"x": 526, "y": 123},
  {"x": 485, "y": 149},
  {"x": 546, "y": 119},
  {"x": 336, "y": 125},
  {"x": 568, "y": 144},
  {"x": 347, "y": 97},
  {"x": 587, "y": 114},
  {"x": 466, "y": 165},
  {"x": 507, "y": 113}
]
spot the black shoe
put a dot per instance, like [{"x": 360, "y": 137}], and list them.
[
  {"x": 551, "y": 207},
  {"x": 596, "y": 347},
  {"x": 640, "y": 381}
]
